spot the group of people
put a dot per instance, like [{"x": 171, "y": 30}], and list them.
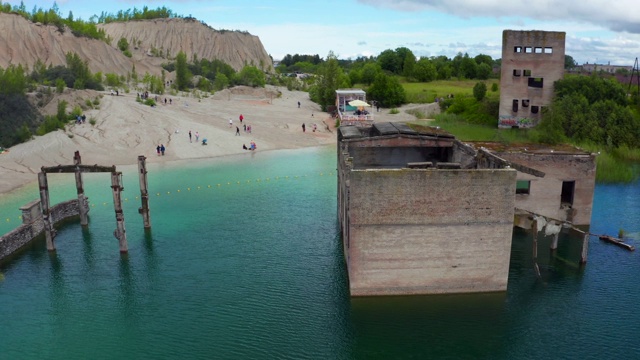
[
  {"x": 197, "y": 136},
  {"x": 314, "y": 127},
  {"x": 252, "y": 146},
  {"x": 81, "y": 119},
  {"x": 160, "y": 149}
]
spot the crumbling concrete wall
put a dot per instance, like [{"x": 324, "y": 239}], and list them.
[
  {"x": 33, "y": 224},
  {"x": 527, "y": 57},
  {"x": 421, "y": 231},
  {"x": 544, "y": 196}
]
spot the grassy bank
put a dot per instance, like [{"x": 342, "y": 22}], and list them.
[
  {"x": 617, "y": 165},
  {"x": 427, "y": 92}
]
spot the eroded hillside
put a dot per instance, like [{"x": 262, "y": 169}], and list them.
[
  {"x": 152, "y": 43},
  {"x": 159, "y": 37}
]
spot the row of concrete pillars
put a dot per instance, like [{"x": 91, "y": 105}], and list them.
[{"x": 83, "y": 205}]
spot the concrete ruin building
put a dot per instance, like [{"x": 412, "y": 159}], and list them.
[
  {"x": 423, "y": 213},
  {"x": 531, "y": 62}
]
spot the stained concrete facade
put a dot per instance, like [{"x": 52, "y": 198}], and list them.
[
  {"x": 418, "y": 216},
  {"x": 531, "y": 62},
  {"x": 565, "y": 192}
]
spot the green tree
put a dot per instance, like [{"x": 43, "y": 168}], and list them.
[
  {"x": 369, "y": 72},
  {"x": 61, "y": 114},
  {"x": 569, "y": 62},
  {"x": 425, "y": 70},
  {"x": 12, "y": 80},
  {"x": 221, "y": 82},
  {"x": 183, "y": 77},
  {"x": 483, "y": 71},
  {"x": 123, "y": 44},
  {"x": 251, "y": 76},
  {"x": 330, "y": 78},
  {"x": 389, "y": 61},
  {"x": 479, "y": 91},
  {"x": 406, "y": 60},
  {"x": 60, "y": 85},
  {"x": 387, "y": 90}
]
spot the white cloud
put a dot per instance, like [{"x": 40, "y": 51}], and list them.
[{"x": 618, "y": 15}]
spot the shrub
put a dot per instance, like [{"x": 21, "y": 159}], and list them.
[
  {"x": 494, "y": 87},
  {"x": 479, "y": 91},
  {"x": 394, "y": 111},
  {"x": 88, "y": 103},
  {"x": 60, "y": 84},
  {"x": 92, "y": 121},
  {"x": 150, "y": 102}
]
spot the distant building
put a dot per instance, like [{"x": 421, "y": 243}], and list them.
[
  {"x": 608, "y": 68},
  {"x": 531, "y": 62}
]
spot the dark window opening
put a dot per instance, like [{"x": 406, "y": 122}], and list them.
[
  {"x": 534, "y": 109},
  {"x": 527, "y": 72},
  {"x": 515, "y": 105},
  {"x": 516, "y": 72},
  {"x": 535, "y": 82},
  {"x": 528, "y": 49},
  {"x": 525, "y": 102},
  {"x": 548, "y": 50},
  {"x": 523, "y": 187},
  {"x": 538, "y": 50},
  {"x": 517, "y": 49},
  {"x": 566, "y": 197}
]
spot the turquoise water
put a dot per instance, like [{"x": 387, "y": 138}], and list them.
[{"x": 244, "y": 262}]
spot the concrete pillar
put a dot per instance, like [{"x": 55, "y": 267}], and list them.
[
  {"x": 120, "y": 232},
  {"x": 82, "y": 200},
  {"x": 534, "y": 231},
  {"x": 554, "y": 243},
  {"x": 144, "y": 192},
  {"x": 585, "y": 248},
  {"x": 49, "y": 231}
]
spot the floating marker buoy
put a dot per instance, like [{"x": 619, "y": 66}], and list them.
[
  {"x": 188, "y": 189},
  {"x": 158, "y": 194},
  {"x": 125, "y": 199},
  {"x": 8, "y": 220},
  {"x": 168, "y": 192},
  {"x": 1, "y": 277},
  {"x": 178, "y": 190}
]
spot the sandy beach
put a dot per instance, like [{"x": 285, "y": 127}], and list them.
[{"x": 125, "y": 129}]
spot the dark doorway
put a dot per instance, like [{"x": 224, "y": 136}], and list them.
[{"x": 568, "y": 189}]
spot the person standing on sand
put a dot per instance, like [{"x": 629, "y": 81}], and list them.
[
  {"x": 241, "y": 118},
  {"x": 237, "y": 131},
  {"x": 158, "y": 150},
  {"x": 197, "y": 136},
  {"x": 298, "y": 104},
  {"x": 162, "y": 149},
  {"x": 230, "y": 122},
  {"x": 245, "y": 127},
  {"x": 303, "y": 127},
  {"x": 189, "y": 135}
]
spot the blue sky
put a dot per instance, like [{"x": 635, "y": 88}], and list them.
[{"x": 597, "y": 30}]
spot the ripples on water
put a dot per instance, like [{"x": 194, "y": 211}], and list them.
[{"x": 255, "y": 271}]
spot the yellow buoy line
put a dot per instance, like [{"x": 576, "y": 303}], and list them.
[{"x": 209, "y": 186}]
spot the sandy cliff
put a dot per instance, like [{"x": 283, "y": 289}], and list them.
[
  {"x": 24, "y": 42},
  {"x": 193, "y": 38}
]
